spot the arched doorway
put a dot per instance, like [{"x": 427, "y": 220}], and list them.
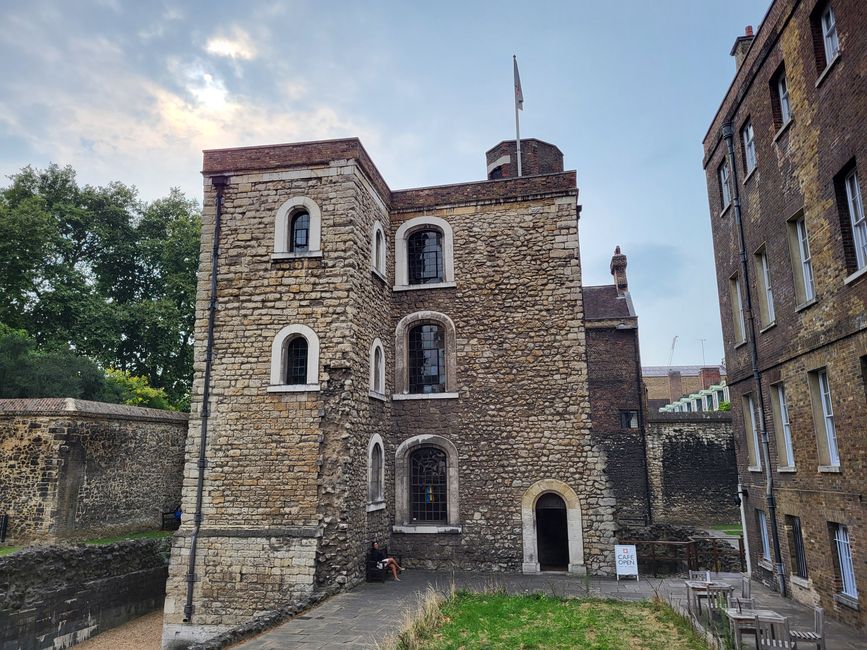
[{"x": 552, "y": 533}]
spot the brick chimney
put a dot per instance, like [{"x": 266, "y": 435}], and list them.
[
  {"x": 742, "y": 44},
  {"x": 618, "y": 271},
  {"x": 675, "y": 386},
  {"x": 709, "y": 376}
]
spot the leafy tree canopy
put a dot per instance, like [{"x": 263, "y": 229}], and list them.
[{"x": 95, "y": 272}]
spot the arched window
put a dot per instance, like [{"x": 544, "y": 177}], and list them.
[
  {"x": 377, "y": 253},
  {"x": 375, "y": 487},
  {"x": 428, "y": 485},
  {"x": 426, "y": 490},
  {"x": 377, "y": 370},
  {"x": 375, "y": 473},
  {"x": 425, "y": 256},
  {"x": 294, "y": 360},
  {"x": 299, "y": 238},
  {"x": 427, "y": 359},
  {"x": 297, "y": 229},
  {"x": 424, "y": 357}
]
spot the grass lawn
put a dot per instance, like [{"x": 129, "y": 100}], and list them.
[
  {"x": 497, "y": 620},
  {"x": 729, "y": 529},
  {"x": 9, "y": 550}
]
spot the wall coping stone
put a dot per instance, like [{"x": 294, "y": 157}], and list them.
[
  {"x": 701, "y": 416},
  {"x": 69, "y": 407}
]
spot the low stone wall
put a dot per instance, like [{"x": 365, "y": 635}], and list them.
[
  {"x": 707, "y": 553},
  {"x": 692, "y": 467},
  {"x": 75, "y": 469},
  {"x": 56, "y": 596}
]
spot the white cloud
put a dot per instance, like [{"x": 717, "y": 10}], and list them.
[{"x": 237, "y": 46}]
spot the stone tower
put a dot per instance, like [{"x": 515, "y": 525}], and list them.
[{"x": 401, "y": 366}]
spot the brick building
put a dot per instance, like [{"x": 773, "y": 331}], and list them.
[
  {"x": 785, "y": 157},
  {"x": 667, "y": 384},
  {"x": 403, "y": 366}
]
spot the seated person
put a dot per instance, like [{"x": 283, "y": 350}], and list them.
[{"x": 389, "y": 563}]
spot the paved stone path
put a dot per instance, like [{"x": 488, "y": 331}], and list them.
[{"x": 363, "y": 617}]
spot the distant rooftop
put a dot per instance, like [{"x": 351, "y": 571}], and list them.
[{"x": 685, "y": 371}]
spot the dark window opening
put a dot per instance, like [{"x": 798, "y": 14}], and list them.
[
  {"x": 427, "y": 359},
  {"x": 428, "y": 485},
  {"x": 375, "y": 489},
  {"x": 781, "y": 106},
  {"x": 296, "y": 361},
  {"x": 552, "y": 533},
  {"x": 424, "y": 251},
  {"x": 628, "y": 419},
  {"x": 496, "y": 172},
  {"x": 796, "y": 546},
  {"x": 299, "y": 240}
]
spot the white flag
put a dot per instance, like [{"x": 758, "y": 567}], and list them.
[{"x": 519, "y": 96}]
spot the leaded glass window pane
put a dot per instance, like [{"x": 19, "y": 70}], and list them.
[
  {"x": 424, "y": 251},
  {"x": 427, "y": 359},
  {"x": 375, "y": 490},
  {"x": 428, "y": 485},
  {"x": 300, "y": 237},
  {"x": 296, "y": 361}
]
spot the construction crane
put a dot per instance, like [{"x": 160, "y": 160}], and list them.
[{"x": 671, "y": 354}]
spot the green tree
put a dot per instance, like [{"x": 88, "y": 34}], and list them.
[{"x": 124, "y": 388}]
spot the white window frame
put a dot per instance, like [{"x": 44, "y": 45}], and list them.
[
  {"x": 377, "y": 375},
  {"x": 749, "y": 146},
  {"x": 856, "y": 218},
  {"x": 763, "y": 535},
  {"x": 278, "y": 360},
  {"x": 738, "y": 306},
  {"x": 753, "y": 439},
  {"x": 725, "y": 190},
  {"x": 844, "y": 561},
  {"x": 828, "y": 417},
  {"x": 785, "y": 106},
  {"x": 401, "y": 272},
  {"x": 805, "y": 261},
  {"x": 766, "y": 288},
  {"x": 378, "y": 258},
  {"x": 785, "y": 426},
  {"x": 829, "y": 34},
  {"x": 375, "y": 502},
  {"x": 282, "y": 228}
]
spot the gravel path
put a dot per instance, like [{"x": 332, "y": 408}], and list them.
[{"x": 142, "y": 633}]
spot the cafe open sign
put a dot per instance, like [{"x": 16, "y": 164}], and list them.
[{"x": 626, "y": 560}]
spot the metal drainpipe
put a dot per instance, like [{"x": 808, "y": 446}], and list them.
[
  {"x": 727, "y": 135},
  {"x": 219, "y": 183}
]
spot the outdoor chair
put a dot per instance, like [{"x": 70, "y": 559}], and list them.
[
  {"x": 717, "y": 602},
  {"x": 817, "y": 634},
  {"x": 745, "y": 604},
  {"x": 773, "y": 634}
]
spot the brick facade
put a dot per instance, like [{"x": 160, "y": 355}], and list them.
[{"x": 798, "y": 174}]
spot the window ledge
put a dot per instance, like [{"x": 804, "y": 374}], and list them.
[
  {"x": 378, "y": 274},
  {"x": 806, "y": 305},
  {"x": 410, "y": 396},
  {"x": 376, "y": 505},
  {"x": 754, "y": 468},
  {"x": 275, "y": 257},
  {"x": 857, "y": 274},
  {"x": 829, "y": 469},
  {"x": 374, "y": 395},
  {"x": 422, "y": 529},
  {"x": 740, "y": 344},
  {"x": 798, "y": 581},
  {"x": 846, "y": 601},
  {"x": 767, "y": 327},
  {"x": 750, "y": 174},
  {"x": 766, "y": 564},
  {"x": 784, "y": 128},
  {"x": 786, "y": 469},
  {"x": 293, "y": 388},
  {"x": 828, "y": 68},
  {"x": 418, "y": 287},
  {"x": 722, "y": 212}
]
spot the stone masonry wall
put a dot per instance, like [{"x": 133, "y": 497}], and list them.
[
  {"x": 75, "y": 469},
  {"x": 693, "y": 474},
  {"x": 56, "y": 596}
]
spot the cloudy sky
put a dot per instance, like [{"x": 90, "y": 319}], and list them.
[{"x": 133, "y": 91}]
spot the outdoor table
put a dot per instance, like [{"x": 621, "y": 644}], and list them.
[
  {"x": 696, "y": 587},
  {"x": 746, "y": 618}
]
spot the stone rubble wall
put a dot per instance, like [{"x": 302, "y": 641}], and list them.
[
  {"x": 56, "y": 596},
  {"x": 693, "y": 472},
  {"x": 95, "y": 470}
]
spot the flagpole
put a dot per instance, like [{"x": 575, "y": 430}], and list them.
[{"x": 517, "y": 121}]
